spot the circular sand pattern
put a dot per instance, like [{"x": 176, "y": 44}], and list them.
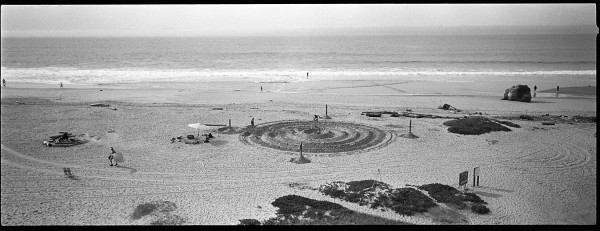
[{"x": 318, "y": 137}]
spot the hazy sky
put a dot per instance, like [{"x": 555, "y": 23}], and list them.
[{"x": 131, "y": 20}]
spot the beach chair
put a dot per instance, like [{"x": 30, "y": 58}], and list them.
[{"x": 68, "y": 172}]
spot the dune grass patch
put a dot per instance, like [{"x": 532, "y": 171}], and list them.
[
  {"x": 159, "y": 208},
  {"x": 376, "y": 194},
  {"x": 450, "y": 195},
  {"x": 298, "y": 210},
  {"x": 168, "y": 219},
  {"x": 475, "y": 125}
]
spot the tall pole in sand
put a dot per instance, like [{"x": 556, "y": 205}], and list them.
[
  {"x": 410, "y": 126},
  {"x": 325, "y": 109},
  {"x": 229, "y": 122}
]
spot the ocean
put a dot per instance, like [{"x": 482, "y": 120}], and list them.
[{"x": 288, "y": 59}]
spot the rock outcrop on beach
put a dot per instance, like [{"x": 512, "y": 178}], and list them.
[{"x": 519, "y": 92}]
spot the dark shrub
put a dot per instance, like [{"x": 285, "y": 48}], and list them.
[
  {"x": 357, "y": 186},
  {"x": 295, "y": 205},
  {"x": 169, "y": 220},
  {"x": 444, "y": 194},
  {"x": 480, "y": 209},
  {"x": 526, "y": 117},
  {"x": 143, "y": 210},
  {"x": 333, "y": 192},
  {"x": 475, "y": 125},
  {"x": 247, "y": 133},
  {"x": 406, "y": 201},
  {"x": 249, "y": 222}
]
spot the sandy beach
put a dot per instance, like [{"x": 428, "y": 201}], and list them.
[{"x": 535, "y": 174}]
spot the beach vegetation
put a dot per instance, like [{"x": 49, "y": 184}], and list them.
[
  {"x": 405, "y": 201},
  {"x": 316, "y": 212},
  {"x": 169, "y": 219},
  {"x": 249, "y": 222},
  {"x": 151, "y": 207},
  {"x": 475, "y": 125},
  {"x": 480, "y": 208},
  {"x": 444, "y": 194},
  {"x": 452, "y": 196},
  {"x": 143, "y": 210},
  {"x": 526, "y": 117},
  {"x": 376, "y": 194}
]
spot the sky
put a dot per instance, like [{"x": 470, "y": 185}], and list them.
[{"x": 240, "y": 20}]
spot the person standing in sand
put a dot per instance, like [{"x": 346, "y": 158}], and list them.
[
  {"x": 252, "y": 122},
  {"x": 307, "y": 75},
  {"x": 534, "y": 91},
  {"x": 111, "y": 157},
  {"x": 261, "y": 89},
  {"x": 557, "y": 88},
  {"x": 61, "y": 86},
  {"x": 4, "y": 82}
]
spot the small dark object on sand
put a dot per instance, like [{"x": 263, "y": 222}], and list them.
[
  {"x": 448, "y": 107},
  {"x": 526, "y": 117},
  {"x": 548, "y": 123},
  {"x": 373, "y": 114},
  {"x": 190, "y": 136},
  {"x": 99, "y": 105}
]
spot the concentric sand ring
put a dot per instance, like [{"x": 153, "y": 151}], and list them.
[{"x": 318, "y": 137}]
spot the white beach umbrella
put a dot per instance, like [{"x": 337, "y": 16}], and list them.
[
  {"x": 199, "y": 127},
  {"x": 118, "y": 157}
]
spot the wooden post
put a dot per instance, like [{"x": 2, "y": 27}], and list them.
[
  {"x": 474, "y": 172},
  {"x": 325, "y": 109},
  {"x": 379, "y": 172},
  {"x": 410, "y": 126},
  {"x": 229, "y": 122}
]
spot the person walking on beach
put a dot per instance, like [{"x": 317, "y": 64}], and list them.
[
  {"x": 61, "y": 86},
  {"x": 307, "y": 75},
  {"x": 534, "y": 91},
  {"x": 261, "y": 89},
  {"x": 557, "y": 88},
  {"x": 4, "y": 82},
  {"x": 111, "y": 157},
  {"x": 252, "y": 122}
]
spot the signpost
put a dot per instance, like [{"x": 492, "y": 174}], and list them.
[
  {"x": 476, "y": 176},
  {"x": 463, "y": 178}
]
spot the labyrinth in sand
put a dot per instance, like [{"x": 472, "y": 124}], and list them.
[{"x": 318, "y": 137}]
